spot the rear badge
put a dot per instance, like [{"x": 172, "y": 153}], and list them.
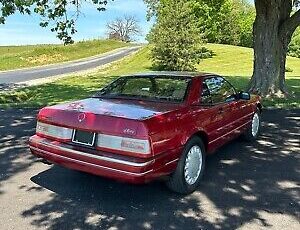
[
  {"x": 81, "y": 117},
  {"x": 76, "y": 106},
  {"x": 129, "y": 131}
]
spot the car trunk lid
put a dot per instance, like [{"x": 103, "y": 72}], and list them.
[{"x": 110, "y": 116}]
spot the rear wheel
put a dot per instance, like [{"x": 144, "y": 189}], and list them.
[
  {"x": 253, "y": 131},
  {"x": 189, "y": 169}
]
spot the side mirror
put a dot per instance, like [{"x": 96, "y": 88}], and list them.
[{"x": 244, "y": 96}]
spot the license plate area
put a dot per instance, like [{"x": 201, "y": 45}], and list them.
[{"x": 83, "y": 137}]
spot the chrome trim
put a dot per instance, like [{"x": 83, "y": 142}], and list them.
[
  {"x": 172, "y": 161},
  {"x": 130, "y": 163},
  {"x": 250, "y": 114},
  {"x": 229, "y": 132},
  {"x": 90, "y": 164},
  {"x": 82, "y": 143}
]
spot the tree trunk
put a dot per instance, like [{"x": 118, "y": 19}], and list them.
[
  {"x": 272, "y": 32},
  {"x": 285, "y": 40}
]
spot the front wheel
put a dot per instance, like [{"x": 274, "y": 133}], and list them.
[
  {"x": 253, "y": 131},
  {"x": 189, "y": 169}
]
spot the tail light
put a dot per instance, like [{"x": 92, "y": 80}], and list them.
[
  {"x": 54, "y": 131},
  {"x": 123, "y": 144},
  {"x": 104, "y": 141}
]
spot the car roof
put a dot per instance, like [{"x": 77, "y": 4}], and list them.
[{"x": 170, "y": 74}]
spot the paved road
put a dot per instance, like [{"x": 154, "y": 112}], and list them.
[
  {"x": 246, "y": 186},
  {"x": 23, "y": 75}
]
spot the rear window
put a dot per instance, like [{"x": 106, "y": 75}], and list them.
[{"x": 153, "y": 88}]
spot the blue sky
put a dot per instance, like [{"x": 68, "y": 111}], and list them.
[{"x": 24, "y": 29}]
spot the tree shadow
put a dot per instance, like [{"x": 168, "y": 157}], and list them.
[
  {"x": 55, "y": 92},
  {"x": 244, "y": 182},
  {"x": 16, "y": 125}
]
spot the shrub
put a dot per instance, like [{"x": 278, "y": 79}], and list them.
[
  {"x": 294, "y": 47},
  {"x": 176, "y": 38}
]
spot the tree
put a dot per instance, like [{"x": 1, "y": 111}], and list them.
[
  {"x": 221, "y": 21},
  {"x": 176, "y": 37},
  {"x": 274, "y": 25},
  {"x": 294, "y": 47},
  {"x": 124, "y": 28},
  {"x": 217, "y": 20},
  {"x": 59, "y": 14},
  {"x": 272, "y": 30},
  {"x": 245, "y": 15},
  {"x": 152, "y": 6}
]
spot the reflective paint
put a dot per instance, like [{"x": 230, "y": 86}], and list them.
[{"x": 166, "y": 126}]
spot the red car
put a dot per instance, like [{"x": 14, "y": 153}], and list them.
[{"x": 146, "y": 126}]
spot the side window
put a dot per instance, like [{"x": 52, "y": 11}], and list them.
[
  {"x": 220, "y": 90},
  {"x": 205, "y": 96}
]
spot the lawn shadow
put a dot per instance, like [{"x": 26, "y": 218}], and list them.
[
  {"x": 55, "y": 92},
  {"x": 243, "y": 181}
]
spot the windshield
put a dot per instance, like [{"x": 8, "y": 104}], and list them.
[{"x": 168, "y": 88}]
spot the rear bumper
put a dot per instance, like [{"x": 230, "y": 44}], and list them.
[{"x": 129, "y": 169}]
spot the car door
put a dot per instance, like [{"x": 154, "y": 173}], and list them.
[
  {"x": 236, "y": 111},
  {"x": 225, "y": 105}
]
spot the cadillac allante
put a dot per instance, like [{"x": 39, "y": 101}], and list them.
[{"x": 145, "y": 126}]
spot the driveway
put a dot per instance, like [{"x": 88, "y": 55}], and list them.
[
  {"x": 23, "y": 75},
  {"x": 246, "y": 186}
]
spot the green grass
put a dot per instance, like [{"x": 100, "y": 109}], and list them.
[
  {"x": 14, "y": 57},
  {"x": 235, "y": 63},
  {"x": 238, "y": 61}
]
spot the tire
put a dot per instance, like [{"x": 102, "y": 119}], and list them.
[
  {"x": 180, "y": 181},
  {"x": 253, "y": 131}
]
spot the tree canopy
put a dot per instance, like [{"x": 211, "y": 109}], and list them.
[
  {"x": 294, "y": 47},
  {"x": 123, "y": 28},
  {"x": 58, "y": 14},
  {"x": 220, "y": 21},
  {"x": 176, "y": 37}
]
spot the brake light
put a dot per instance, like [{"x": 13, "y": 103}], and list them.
[
  {"x": 53, "y": 131},
  {"x": 123, "y": 144}
]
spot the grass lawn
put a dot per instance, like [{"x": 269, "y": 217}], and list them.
[
  {"x": 14, "y": 57},
  {"x": 233, "y": 62}
]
